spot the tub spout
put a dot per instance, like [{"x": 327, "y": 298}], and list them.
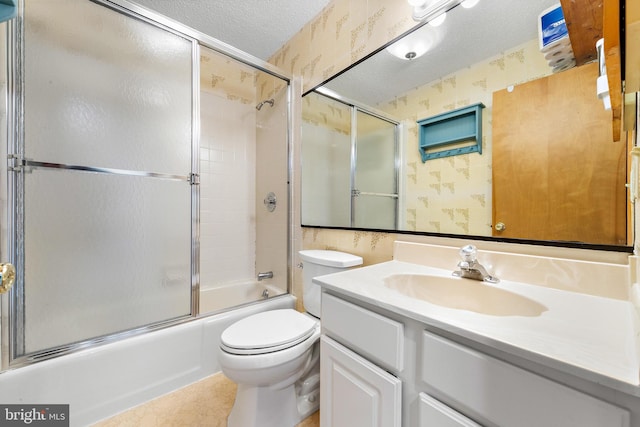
[{"x": 266, "y": 275}]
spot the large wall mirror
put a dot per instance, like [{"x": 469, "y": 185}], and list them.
[{"x": 549, "y": 169}]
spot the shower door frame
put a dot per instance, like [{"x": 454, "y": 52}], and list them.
[
  {"x": 355, "y": 192},
  {"x": 355, "y": 107},
  {"x": 12, "y": 306}
]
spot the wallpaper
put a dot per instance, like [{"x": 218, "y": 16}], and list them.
[
  {"x": 344, "y": 32},
  {"x": 235, "y": 81},
  {"x": 453, "y": 194}
]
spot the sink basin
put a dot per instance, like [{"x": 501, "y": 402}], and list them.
[{"x": 464, "y": 294}]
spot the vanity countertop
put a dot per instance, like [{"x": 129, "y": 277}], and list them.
[{"x": 592, "y": 337}]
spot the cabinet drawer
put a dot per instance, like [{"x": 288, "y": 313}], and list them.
[
  {"x": 435, "y": 413},
  {"x": 376, "y": 337},
  {"x": 506, "y": 395}
]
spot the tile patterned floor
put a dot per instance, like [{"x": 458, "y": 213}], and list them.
[{"x": 203, "y": 404}]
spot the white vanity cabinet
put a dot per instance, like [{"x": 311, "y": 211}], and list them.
[
  {"x": 355, "y": 391},
  {"x": 368, "y": 354},
  {"x": 507, "y": 395},
  {"x": 433, "y": 413}
]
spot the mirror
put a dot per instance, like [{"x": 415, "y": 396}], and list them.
[{"x": 476, "y": 56}]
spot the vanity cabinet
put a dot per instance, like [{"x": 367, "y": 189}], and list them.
[
  {"x": 507, "y": 395},
  {"x": 354, "y": 392},
  {"x": 369, "y": 356},
  {"x": 433, "y": 413}
]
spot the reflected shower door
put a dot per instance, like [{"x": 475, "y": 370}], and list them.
[
  {"x": 375, "y": 193},
  {"x": 104, "y": 195},
  {"x": 326, "y": 162},
  {"x": 350, "y": 163}
]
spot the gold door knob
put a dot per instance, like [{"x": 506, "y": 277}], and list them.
[
  {"x": 8, "y": 274},
  {"x": 500, "y": 226}
]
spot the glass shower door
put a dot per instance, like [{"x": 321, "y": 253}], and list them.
[
  {"x": 326, "y": 162},
  {"x": 103, "y": 174},
  {"x": 375, "y": 189}
]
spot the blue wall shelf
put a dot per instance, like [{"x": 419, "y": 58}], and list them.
[
  {"x": 7, "y": 10},
  {"x": 436, "y": 133}
]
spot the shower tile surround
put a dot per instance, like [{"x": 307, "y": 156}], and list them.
[
  {"x": 227, "y": 155},
  {"x": 239, "y": 147}
]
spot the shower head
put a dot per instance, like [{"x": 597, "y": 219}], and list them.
[{"x": 266, "y": 101}]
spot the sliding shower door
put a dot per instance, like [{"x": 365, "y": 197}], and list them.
[
  {"x": 350, "y": 161},
  {"x": 102, "y": 176},
  {"x": 375, "y": 194},
  {"x": 326, "y": 162}
]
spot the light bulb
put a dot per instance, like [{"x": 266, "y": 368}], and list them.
[{"x": 438, "y": 20}]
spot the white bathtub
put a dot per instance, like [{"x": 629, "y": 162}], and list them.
[
  {"x": 235, "y": 294},
  {"x": 105, "y": 380}
]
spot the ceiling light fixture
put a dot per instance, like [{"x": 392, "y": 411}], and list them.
[
  {"x": 416, "y": 44},
  {"x": 407, "y": 51},
  {"x": 433, "y": 12}
]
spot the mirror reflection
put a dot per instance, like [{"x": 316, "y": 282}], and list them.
[{"x": 549, "y": 168}]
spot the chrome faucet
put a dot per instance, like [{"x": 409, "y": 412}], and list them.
[
  {"x": 266, "y": 275},
  {"x": 471, "y": 268}
]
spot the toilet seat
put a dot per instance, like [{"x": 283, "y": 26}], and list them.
[{"x": 267, "y": 332}]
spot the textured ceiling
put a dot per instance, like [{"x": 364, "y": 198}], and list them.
[
  {"x": 258, "y": 27},
  {"x": 467, "y": 36},
  {"x": 261, "y": 27}
]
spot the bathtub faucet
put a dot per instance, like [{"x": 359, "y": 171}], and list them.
[
  {"x": 267, "y": 275},
  {"x": 471, "y": 268}
]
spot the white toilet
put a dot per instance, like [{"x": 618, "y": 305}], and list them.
[{"x": 273, "y": 356}]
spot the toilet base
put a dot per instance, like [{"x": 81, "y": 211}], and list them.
[
  {"x": 269, "y": 407},
  {"x": 264, "y": 407}
]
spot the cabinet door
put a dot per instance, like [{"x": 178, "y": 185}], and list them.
[{"x": 354, "y": 392}]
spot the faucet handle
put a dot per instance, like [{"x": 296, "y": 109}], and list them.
[{"x": 468, "y": 253}]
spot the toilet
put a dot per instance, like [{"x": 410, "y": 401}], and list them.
[{"x": 274, "y": 356}]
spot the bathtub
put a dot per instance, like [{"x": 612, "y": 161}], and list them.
[
  {"x": 102, "y": 381},
  {"x": 235, "y": 294}
]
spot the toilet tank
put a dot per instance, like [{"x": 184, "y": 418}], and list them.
[{"x": 317, "y": 262}]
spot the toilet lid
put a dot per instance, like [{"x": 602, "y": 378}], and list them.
[{"x": 267, "y": 332}]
